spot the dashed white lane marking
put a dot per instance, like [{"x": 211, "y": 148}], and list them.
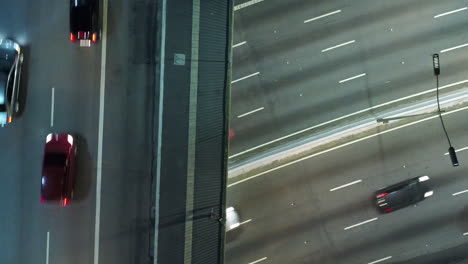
[
  {"x": 257, "y": 261},
  {"x": 245, "y": 222},
  {"x": 239, "y": 44},
  {"x": 246, "y": 4},
  {"x": 352, "y": 78},
  {"x": 245, "y": 77},
  {"x": 457, "y": 193},
  {"x": 380, "y": 260},
  {"x": 454, "y": 48},
  {"x": 339, "y": 45},
  {"x": 47, "y": 247},
  {"x": 451, "y": 12},
  {"x": 361, "y": 223},
  {"x": 52, "y": 108},
  {"x": 345, "y": 185},
  {"x": 322, "y": 16},
  {"x": 251, "y": 112},
  {"x": 457, "y": 150},
  {"x": 465, "y": 234}
]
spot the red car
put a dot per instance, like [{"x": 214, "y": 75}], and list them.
[{"x": 58, "y": 169}]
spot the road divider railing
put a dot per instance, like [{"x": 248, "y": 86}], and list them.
[{"x": 339, "y": 135}]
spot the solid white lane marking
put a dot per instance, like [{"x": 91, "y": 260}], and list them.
[
  {"x": 102, "y": 93},
  {"x": 239, "y": 44},
  {"x": 453, "y": 48},
  {"x": 339, "y": 45},
  {"x": 451, "y": 12},
  {"x": 346, "y": 116},
  {"x": 322, "y": 16},
  {"x": 52, "y": 108},
  {"x": 245, "y": 77},
  {"x": 361, "y": 223},
  {"x": 257, "y": 261},
  {"x": 457, "y": 150},
  {"x": 47, "y": 247},
  {"x": 380, "y": 260},
  {"x": 465, "y": 233},
  {"x": 162, "y": 68},
  {"x": 457, "y": 193},
  {"x": 246, "y": 4},
  {"x": 251, "y": 112},
  {"x": 344, "y": 145},
  {"x": 345, "y": 185},
  {"x": 245, "y": 222},
  {"x": 352, "y": 78}
]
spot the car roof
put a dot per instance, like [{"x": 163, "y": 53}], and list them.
[{"x": 53, "y": 174}]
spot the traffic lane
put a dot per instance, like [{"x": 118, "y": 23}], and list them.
[
  {"x": 296, "y": 106},
  {"x": 296, "y": 66},
  {"x": 299, "y": 35},
  {"x": 399, "y": 167},
  {"x": 127, "y": 132}
]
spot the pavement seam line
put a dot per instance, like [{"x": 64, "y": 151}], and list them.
[
  {"x": 192, "y": 132},
  {"x": 102, "y": 93}
]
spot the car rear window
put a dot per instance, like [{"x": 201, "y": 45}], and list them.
[
  {"x": 81, "y": 18},
  {"x": 55, "y": 160}
]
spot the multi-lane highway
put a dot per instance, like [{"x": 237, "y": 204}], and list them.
[
  {"x": 298, "y": 64},
  {"x": 321, "y": 210},
  {"x": 101, "y": 95},
  {"x": 301, "y": 57}
]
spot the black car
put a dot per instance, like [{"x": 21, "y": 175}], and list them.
[
  {"x": 402, "y": 194},
  {"x": 11, "y": 60},
  {"x": 84, "y": 21}
]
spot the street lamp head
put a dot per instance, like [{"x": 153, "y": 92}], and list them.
[
  {"x": 453, "y": 157},
  {"x": 435, "y": 63}
]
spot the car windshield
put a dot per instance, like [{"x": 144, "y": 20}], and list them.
[{"x": 55, "y": 160}]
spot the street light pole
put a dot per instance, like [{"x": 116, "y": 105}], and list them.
[{"x": 451, "y": 150}]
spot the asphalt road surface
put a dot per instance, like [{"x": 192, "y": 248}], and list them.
[
  {"x": 54, "y": 67},
  {"x": 296, "y": 218},
  {"x": 289, "y": 75},
  {"x": 295, "y": 78}
]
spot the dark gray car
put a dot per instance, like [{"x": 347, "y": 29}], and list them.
[
  {"x": 11, "y": 60},
  {"x": 403, "y": 194}
]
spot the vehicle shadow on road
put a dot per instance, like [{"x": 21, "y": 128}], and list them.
[{"x": 84, "y": 172}]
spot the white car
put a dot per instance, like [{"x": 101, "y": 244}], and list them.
[
  {"x": 11, "y": 60},
  {"x": 232, "y": 219}
]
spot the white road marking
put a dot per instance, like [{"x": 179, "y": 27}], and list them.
[
  {"x": 239, "y": 44},
  {"x": 245, "y": 77},
  {"x": 346, "y": 116},
  {"x": 102, "y": 93},
  {"x": 380, "y": 260},
  {"x": 451, "y": 12},
  {"x": 361, "y": 223},
  {"x": 251, "y": 112},
  {"x": 162, "y": 68},
  {"x": 257, "y": 261},
  {"x": 322, "y": 16},
  {"x": 246, "y": 221},
  {"x": 457, "y": 193},
  {"x": 345, "y": 185},
  {"x": 47, "y": 247},
  {"x": 352, "y": 78},
  {"x": 246, "y": 4},
  {"x": 453, "y": 48},
  {"x": 344, "y": 145},
  {"x": 465, "y": 233},
  {"x": 457, "y": 150},
  {"x": 52, "y": 108},
  {"x": 339, "y": 45}
]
